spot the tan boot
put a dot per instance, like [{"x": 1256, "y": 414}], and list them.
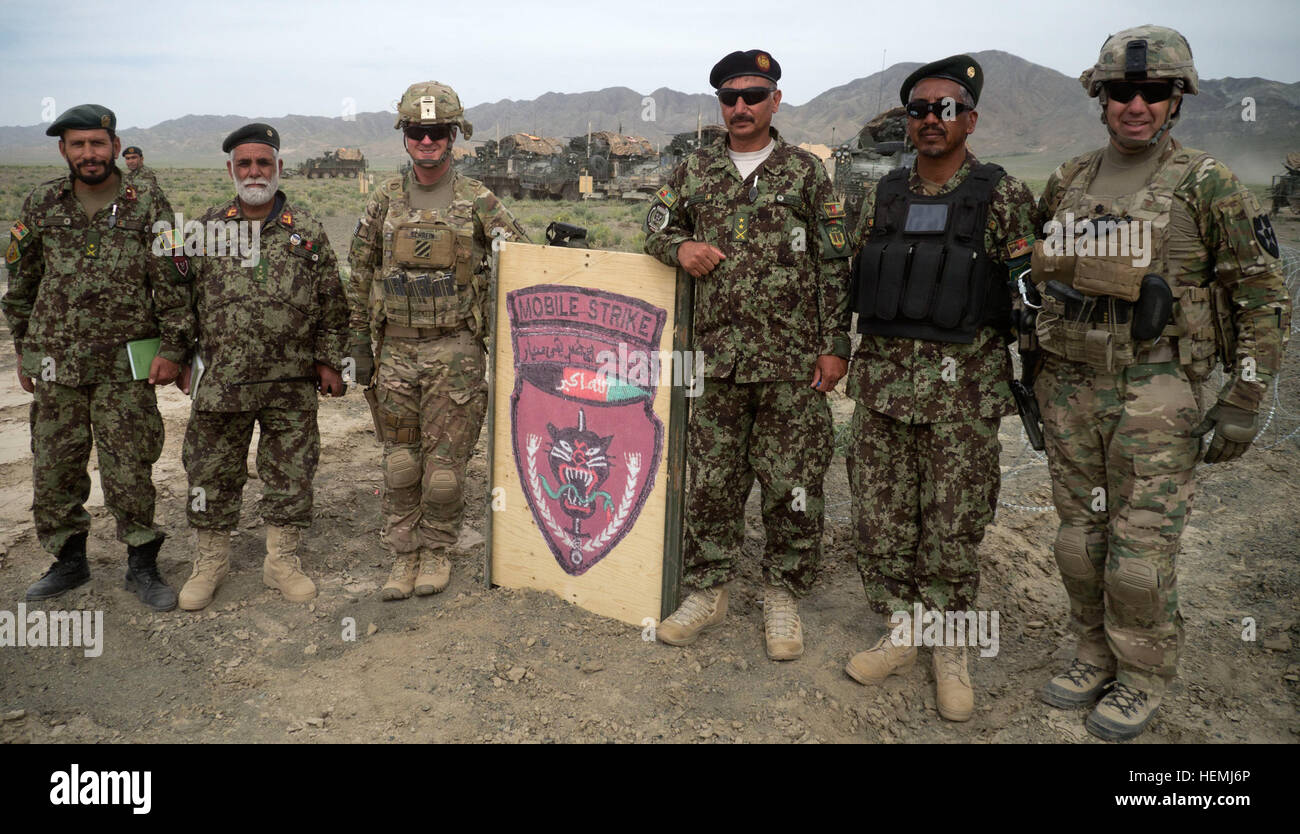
[
  {"x": 282, "y": 569},
  {"x": 887, "y": 657},
  {"x": 402, "y": 580},
  {"x": 956, "y": 698},
  {"x": 211, "y": 564},
  {"x": 781, "y": 624},
  {"x": 1081, "y": 685},
  {"x": 1124, "y": 713},
  {"x": 701, "y": 611},
  {"x": 435, "y": 572}
]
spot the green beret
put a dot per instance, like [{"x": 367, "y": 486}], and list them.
[
  {"x": 132, "y": 149},
  {"x": 262, "y": 134},
  {"x": 753, "y": 62},
  {"x": 963, "y": 69},
  {"x": 83, "y": 117}
]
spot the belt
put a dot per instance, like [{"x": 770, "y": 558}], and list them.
[{"x": 400, "y": 332}]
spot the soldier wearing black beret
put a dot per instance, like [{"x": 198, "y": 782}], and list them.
[{"x": 258, "y": 132}]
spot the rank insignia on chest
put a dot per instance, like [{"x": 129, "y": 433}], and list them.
[
  {"x": 11, "y": 254},
  {"x": 259, "y": 272},
  {"x": 19, "y": 231},
  {"x": 667, "y": 196},
  {"x": 92, "y": 245},
  {"x": 287, "y": 219},
  {"x": 740, "y": 228}
]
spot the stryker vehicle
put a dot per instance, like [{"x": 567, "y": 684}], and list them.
[
  {"x": 340, "y": 162},
  {"x": 878, "y": 148},
  {"x": 620, "y": 166},
  {"x": 1286, "y": 187}
]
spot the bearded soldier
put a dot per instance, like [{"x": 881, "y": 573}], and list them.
[
  {"x": 1156, "y": 260},
  {"x": 419, "y": 292}
]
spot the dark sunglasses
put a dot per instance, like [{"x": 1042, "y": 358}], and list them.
[
  {"x": 920, "y": 109},
  {"x": 1151, "y": 91},
  {"x": 752, "y": 95},
  {"x": 436, "y": 133}
]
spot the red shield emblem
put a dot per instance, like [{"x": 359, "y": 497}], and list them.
[{"x": 587, "y": 442}]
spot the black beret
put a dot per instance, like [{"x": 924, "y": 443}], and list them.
[
  {"x": 132, "y": 149},
  {"x": 753, "y": 62},
  {"x": 963, "y": 69},
  {"x": 83, "y": 117},
  {"x": 259, "y": 132}
]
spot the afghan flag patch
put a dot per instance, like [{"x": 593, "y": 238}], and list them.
[
  {"x": 667, "y": 196},
  {"x": 19, "y": 231}
]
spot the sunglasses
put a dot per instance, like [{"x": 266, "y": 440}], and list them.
[
  {"x": 436, "y": 133},
  {"x": 752, "y": 95},
  {"x": 920, "y": 109},
  {"x": 1151, "y": 91}
]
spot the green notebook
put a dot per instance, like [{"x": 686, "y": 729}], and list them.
[{"x": 141, "y": 353}]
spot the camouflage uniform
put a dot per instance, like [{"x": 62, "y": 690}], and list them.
[
  {"x": 272, "y": 321},
  {"x": 143, "y": 173},
  {"x": 431, "y": 386},
  {"x": 923, "y": 450},
  {"x": 80, "y": 288},
  {"x": 1118, "y": 438},
  {"x": 762, "y": 318}
]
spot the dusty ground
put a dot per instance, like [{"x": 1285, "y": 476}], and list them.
[{"x": 478, "y": 664}]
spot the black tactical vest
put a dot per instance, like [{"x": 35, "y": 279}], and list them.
[{"x": 923, "y": 273}]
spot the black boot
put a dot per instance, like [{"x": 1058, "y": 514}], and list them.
[
  {"x": 70, "y": 571},
  {"x": 143, "y": 578}
]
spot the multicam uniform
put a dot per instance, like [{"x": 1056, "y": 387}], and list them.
[
  {"x": 762, "y": 317},
  {"x": 923, "y": 450},
  {"x": 1118, "y": 413},
  {"x": 261, "y": 331},
  {"x": 80, "y": 288},
  {"x": 419, "y": 288}
]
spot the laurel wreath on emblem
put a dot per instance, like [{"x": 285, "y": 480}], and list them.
[{"x": 633, "y": 461}]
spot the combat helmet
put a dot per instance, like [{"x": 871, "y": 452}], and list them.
[
  {"x": 431, "y": 103},
  {"x": 1144, "y": 53}
]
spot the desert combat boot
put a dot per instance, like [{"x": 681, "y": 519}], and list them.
[
  {"x": 401, "y": 581},
  {"x": 435, "y": 571},
  {"x": 211, "y": 566},
  {"x": 781, "y": 624},
  {"x": 282, "y": 569},
  {"x": 887, "y": 657},
  {"x": 1079, "y": 686},
  {"x": 1124, "y": 713},
  {"x": 952, "y": 683},
  {"x": 701, "y": 611}
]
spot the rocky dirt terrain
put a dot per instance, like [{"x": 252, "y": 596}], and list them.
[{"x": 493, "y": 665}]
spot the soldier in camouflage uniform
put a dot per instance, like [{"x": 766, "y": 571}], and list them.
[
  {"x": 752, "y": 219},
  {"x": 1121, "y": 401},
  {"x": 84, "y": 281},
  {"x": 135, "y": 167},
  {"x": 419, "y": 292},
  {"x": 931, "y": 375},
  {"x": 272, "y": 330}
]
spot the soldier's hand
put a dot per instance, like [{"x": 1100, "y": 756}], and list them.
[
  {"x": 331, "y": 381},
  {"x": 1234, "y": 431},
  {"x": 699, "y": 259},
  {"x": 827, "y": 372},
  {"x": 363, "y": 362},
  {"x": 163, "y": 371},
  {"x": 183, "y": 379},
  {"x": 24, "y": 380}
]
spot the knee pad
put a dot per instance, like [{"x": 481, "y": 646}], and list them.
[
  {"x": 1136, "y": 583},
  {"x": 401, "y": 468},
  {"x": 1071, "y": 551},
  {"x": 444, "y": 487}
]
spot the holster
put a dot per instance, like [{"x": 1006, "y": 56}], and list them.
[{"x": 372, "y": 400}]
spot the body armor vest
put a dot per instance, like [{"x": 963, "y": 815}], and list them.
[
  {"x": 924, "y": 274},
  {"x": 427, "y": 271},
  {"x": 1103, "y": 338}
]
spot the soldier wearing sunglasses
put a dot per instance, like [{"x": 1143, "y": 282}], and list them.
[
  {"x": 1121, "y": 389},
  {"x": 931, "y": 376},
  {"x": 752, "y": 219}
]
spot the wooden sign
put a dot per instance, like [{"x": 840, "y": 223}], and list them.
[{"x": 586, "y": 428}]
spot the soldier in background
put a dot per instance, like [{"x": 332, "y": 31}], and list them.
[
  {"x": 84, "y": 282},
  {"x": 752, "y": 219},
  {"x": 931, "y": 376},
  {"x": 1120, "y": 391},
  {"x": 271, "y": 333},
  {"x": 419, "y": 291},
  {"x": 135, "y": 167}
]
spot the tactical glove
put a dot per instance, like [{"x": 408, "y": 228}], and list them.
[
  {"x": 363, "y": 360},
  {"x": 1234, "y": 430}
]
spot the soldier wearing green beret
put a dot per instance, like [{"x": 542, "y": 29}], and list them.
[
  {"x": 1130, "y": 333},
  {"x": 419, "y": 292},
  {"x": 931, "y": 375},
  {"x": 272, "y": 331},
  {"x": 98, "y": 319}
]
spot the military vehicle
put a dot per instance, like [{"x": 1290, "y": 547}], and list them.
[
  {"x": 620, "y": 166},
  {"x": 1286, "y": 187},
  {"x": 881, "y": 146},
  {"x": 524, "y": 166},
  {"x": 684, "y": 143},
  {"x": 340, "y": 162}
]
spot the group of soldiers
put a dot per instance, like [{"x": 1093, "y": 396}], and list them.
[{"x": 929, "y": 268}]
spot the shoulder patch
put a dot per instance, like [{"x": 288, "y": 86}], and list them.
[
  {"x": 12, "y": 253},
  {"x": 833, "y": 210},
  {"x": 657, "y": 218},
  {"x": 1020, "y": 246},
  {"x": 667, "y": 196},
  {"x": 19, "y": 231},
  {"x": 1264, "y": 233}
]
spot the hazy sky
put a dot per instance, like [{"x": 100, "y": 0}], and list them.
[{"x": 153, "y": 61}]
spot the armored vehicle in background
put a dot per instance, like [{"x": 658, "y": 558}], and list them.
[
  {"x": 340, "y": 162},
  {"x": 620, "y": 166},
  {"x": 877, "y": 149},
  {"x": 684, "y": 143},
  {"x": 1286, "y": 187}
]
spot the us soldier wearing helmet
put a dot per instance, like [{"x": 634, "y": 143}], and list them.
[
  {"x": 1129, "y": 334},
  {"x": 418, "y": 298}
]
